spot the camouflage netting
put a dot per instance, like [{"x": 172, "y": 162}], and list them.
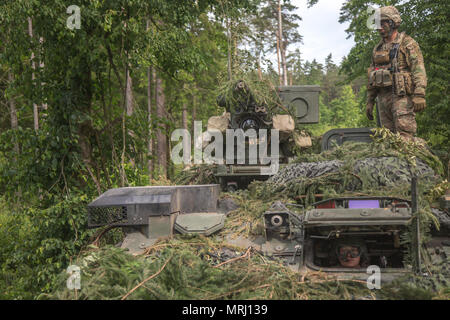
[
  {"x": 259, "y": 89},
  {"x": 383, "y": 171},
  {"x": 198, "y": 174},
  {"x": 383, "y": 167},
  {"x": 339, "y": 177},
  {"x": 385, "y": 144}
]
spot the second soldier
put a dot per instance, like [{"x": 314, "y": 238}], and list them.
[{"x": 397, "y": 77}]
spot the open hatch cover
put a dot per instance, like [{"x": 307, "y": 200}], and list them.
[
  {"x": 205, "y": 223},
  {"x": 379, "y": 216}
]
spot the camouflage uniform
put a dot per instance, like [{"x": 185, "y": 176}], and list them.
[{"x": 397, "y": 109}]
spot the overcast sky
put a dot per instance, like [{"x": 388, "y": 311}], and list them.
[{"x": 322, "y": 33}]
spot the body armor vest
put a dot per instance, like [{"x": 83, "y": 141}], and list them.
[{"x": 390, "y": 67}]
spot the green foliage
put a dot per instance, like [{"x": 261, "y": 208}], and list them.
[
  {"x": 341, "y": 112},
  {"x": 265, "y": 23},
  {"x": 39, "y": 242},
  {"x": 339, "y": 103},
  {"x": 414, "y": 287},
  {"x": 198, "y": 174},
  {"x": 86, "y": 143},
  {"x": 198, "y": 268},
  {"x": 246, "y": 221},
  {"x": 189, "y": 269},
  {"x": 260, "y": 88}
]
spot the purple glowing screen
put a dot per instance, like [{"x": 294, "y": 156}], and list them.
[{"x": 363, "y": 204}]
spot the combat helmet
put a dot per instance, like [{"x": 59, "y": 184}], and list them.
[{"x": 391, "y": 13}]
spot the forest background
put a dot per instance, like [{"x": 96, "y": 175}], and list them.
[{"x": 89, "y": 109}]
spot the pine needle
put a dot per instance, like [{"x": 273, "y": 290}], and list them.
[{"x": 147, "y": 279}]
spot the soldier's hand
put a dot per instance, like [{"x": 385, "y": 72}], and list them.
[
  {"x": 419, "y": 103},
  {"x": 369, "y": 110}
]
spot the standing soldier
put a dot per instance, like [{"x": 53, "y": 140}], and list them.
[{"x": 397, "y": 77}]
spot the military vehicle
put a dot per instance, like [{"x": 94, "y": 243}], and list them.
[
  {"x": 310, "y": 241},
  {"x": 304, "y": 239},
  {"x": 243, "y": 112},
  {"x": 376, "y": 226}
]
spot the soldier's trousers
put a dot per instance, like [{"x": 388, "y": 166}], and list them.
[{"x": 396, "y": 113}]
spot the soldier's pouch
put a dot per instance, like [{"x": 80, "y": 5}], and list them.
[
  {"x": 381, "y": 57},
  {"x": 380, "y": 78},
  {"x": 399, "y": 84},
  {"x": 408, "y": 83}
]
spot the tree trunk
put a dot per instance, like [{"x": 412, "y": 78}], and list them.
[
  {"x": 149, "y": 113},
  {"x": 280, "y": 79},
  {"x": 229, "y": 49},
  {"x": 129, "y": 106},
  {"x": 186, "y": 142},
  {"x": 41, "y": 66},
  {"x": 259, "y": 69},
  {"x": 81, "y": 86},
  {"x": 123, "y": 177},
  {"x": 129, "y": 94},
  {"x": 184, "y": 117},
  {"x": 154, "y": 142},
  {"x": 33, "y": 66},
  {"x": 194, "y": 111},
  {"x": 13, "y": 112},
  {"x": 160, "y": 133},
  {"x": 149, "y": 119},
  {"x": 281, "y": 44},
  {"x": 235, "y": 48}
]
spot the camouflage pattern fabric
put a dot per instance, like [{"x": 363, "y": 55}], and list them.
[
  {"x": 391, "y": 13},
  {"x": 410, "y": 59},
  {"x": 397, "y": 112}
]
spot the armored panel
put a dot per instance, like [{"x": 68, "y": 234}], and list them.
[
  {"x": 160, "y": 227},
  {"x": 276, "y": 223},
  {"x": 136, "y": 203},
  {"x": 335, "y": 217},
  {"x": 339, "y": 136},
  {"x": 303, "y": 101},
  {"x": 134, "y": 206},
  {"x": 205, "y": 223},
  {"x": 200, "y": 198},
  {"x": 279, "y": 247},
  {"x": 99, "y": 216}
]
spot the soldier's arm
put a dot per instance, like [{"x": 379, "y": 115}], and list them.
[
  {"x": 416, "y": 64},
  {"x": 371, "y": 91},
  {"x": 371, "y": 95}
]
